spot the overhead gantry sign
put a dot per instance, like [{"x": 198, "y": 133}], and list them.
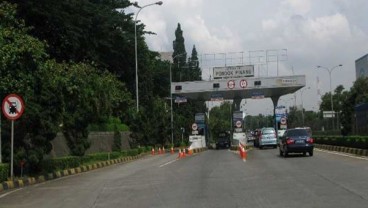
[{"x": 239, "y": 88}]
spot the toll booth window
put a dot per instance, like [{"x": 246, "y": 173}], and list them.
[
  {"x": 257, "y": 83},
  {"x": 178, "y": 87},
  {"x": 216, "y": 85}
]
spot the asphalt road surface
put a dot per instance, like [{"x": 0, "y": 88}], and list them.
[{"x": 214, "y": 178}]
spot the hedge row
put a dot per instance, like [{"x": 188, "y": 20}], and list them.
[
  {"x": 62, "y": 163},
  {"x": 4, "y": 171},
  {"x": 360, "y": 142}
]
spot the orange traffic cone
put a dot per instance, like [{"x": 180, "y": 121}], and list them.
[
  {"x": 172, "y": 150},
  {"x": 153, "y": 151},
  {"x": 159, "y": 150},
  {"x": 180, "y": 155},
  {"x": 184, "y": 152},
  {"x": 163, "y": 150},
  {"x": 244, "y": 154}
]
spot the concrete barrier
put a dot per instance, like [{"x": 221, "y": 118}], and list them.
[
  {"x": 50, "y": 176},
  {"x": 355, "y": 151},
  {"x": 65, "y": 173}
]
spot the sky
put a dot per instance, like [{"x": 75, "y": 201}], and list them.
[{"x": 304, "y": 34}]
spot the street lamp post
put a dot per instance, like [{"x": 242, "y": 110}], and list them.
[
  {"x": 329, "y": 73},
  {"x": 171, "y": 103},
  {"x": 182, "y": 134},
  {"x": 135, "y": 46},
  {"x": 301, "y": 97}
]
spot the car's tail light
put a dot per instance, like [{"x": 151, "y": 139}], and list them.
[
  {"x": 290, "y": 141},
  {"x": 310, "y": 140}
]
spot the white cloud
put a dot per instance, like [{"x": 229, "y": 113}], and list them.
[
  {"x": 334, "y": 27},
  {"x": 299, "y": 6},
  {"x": 315, "y": 32},
  {"x": 269, "y": 24}
]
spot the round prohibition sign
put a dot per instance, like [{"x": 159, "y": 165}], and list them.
[
  {"x": 13, "y": 106},
  {"x": 238, "y": 124},
  {"x": 231, "y": 84},
  {"x": 283, "y": 120},
  {"x": 243, "y": 83},
  {"x": 194, "y": 126}
]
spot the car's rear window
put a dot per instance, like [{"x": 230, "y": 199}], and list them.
[
  {"x": 298, "y": 132},
  {"x": 268, "y": 131}
]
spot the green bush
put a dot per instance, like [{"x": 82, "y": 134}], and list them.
[
  {"x": 51, "y": 165},
  {"x": 148, "y": 149},
  {"x": 113, "y": 124},
  {"x": 360, "y": 142},
  {"x": 132, "y": 152},
  {"x": 4, "y": 171},
  {"x": 62, "y": 163}
]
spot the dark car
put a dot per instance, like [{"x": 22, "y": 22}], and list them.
[
  {"x": 296, "y": 140},
  {"x": 256, "y": 135},
  {"x": 223, "y": 141}
]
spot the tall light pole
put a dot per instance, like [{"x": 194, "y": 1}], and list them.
[
  {"x": 171, "y": 102},
  {"x": 329, "y": 73},
  {"x": 301, "y": 97},
  {"x": 135, "y": 44}
]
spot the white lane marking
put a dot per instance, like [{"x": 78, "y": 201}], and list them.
[
  {"x": 10, "y": 192},
  {"x": 343, "y": 154},
  {"x": 168, "y": 163}
]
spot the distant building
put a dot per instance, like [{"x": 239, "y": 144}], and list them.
[
  {"x": 361, "y": 67},
  {"x": 166, "y": 56},
  {"x": 361, "y": 119}
]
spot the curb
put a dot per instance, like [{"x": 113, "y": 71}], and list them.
[
  {"x": 354, "y": 151},
  {"x": 22, "y": 182}
]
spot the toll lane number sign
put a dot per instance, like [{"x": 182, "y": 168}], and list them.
[
  {"x": 243, "y": 83},
  {"x": 12, "y": 106},
  {"x": 231, "y": 84}
]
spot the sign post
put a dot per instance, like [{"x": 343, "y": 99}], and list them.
[
  {"x": 13, "y": 108},
  {"x": 1, "y": 159},
  {"x": 195, "y": 128}
]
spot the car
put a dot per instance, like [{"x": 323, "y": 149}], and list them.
[
  {"x": 223, "y": 141},
  {"x": 267, "y": 137},
  {"x": 296, "y": 140},
  {"x": 256, "y": 134},
  {"x": 250, "y": 136},
  {"x": 309, "y": 130}
]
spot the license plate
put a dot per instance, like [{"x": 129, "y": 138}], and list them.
[{"x": 299, "y": 142}]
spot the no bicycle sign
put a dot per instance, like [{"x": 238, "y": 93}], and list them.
[{"x": 13, "y": 106}]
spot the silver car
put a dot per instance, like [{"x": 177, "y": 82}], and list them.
[{"x": 267, "y": 137}]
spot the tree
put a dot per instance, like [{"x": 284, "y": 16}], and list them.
[
  {"x": 89, "y": 31},
  {"x": 90, "y": 96},
  {"x": 93, "y": 32},
  {"x": 151, "y": 125},
  {"x": 183, "y": 71},
  {"x": 220, "y": 119},
  {"x": 358, "y": 94},
  {"x": 339, "y": 97},
  {"x": 58, "y": 96},
  {"x": 23, "y": 71},
  {"x": 179, "y": 55},
  {"x": 194, "y": 72}
]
